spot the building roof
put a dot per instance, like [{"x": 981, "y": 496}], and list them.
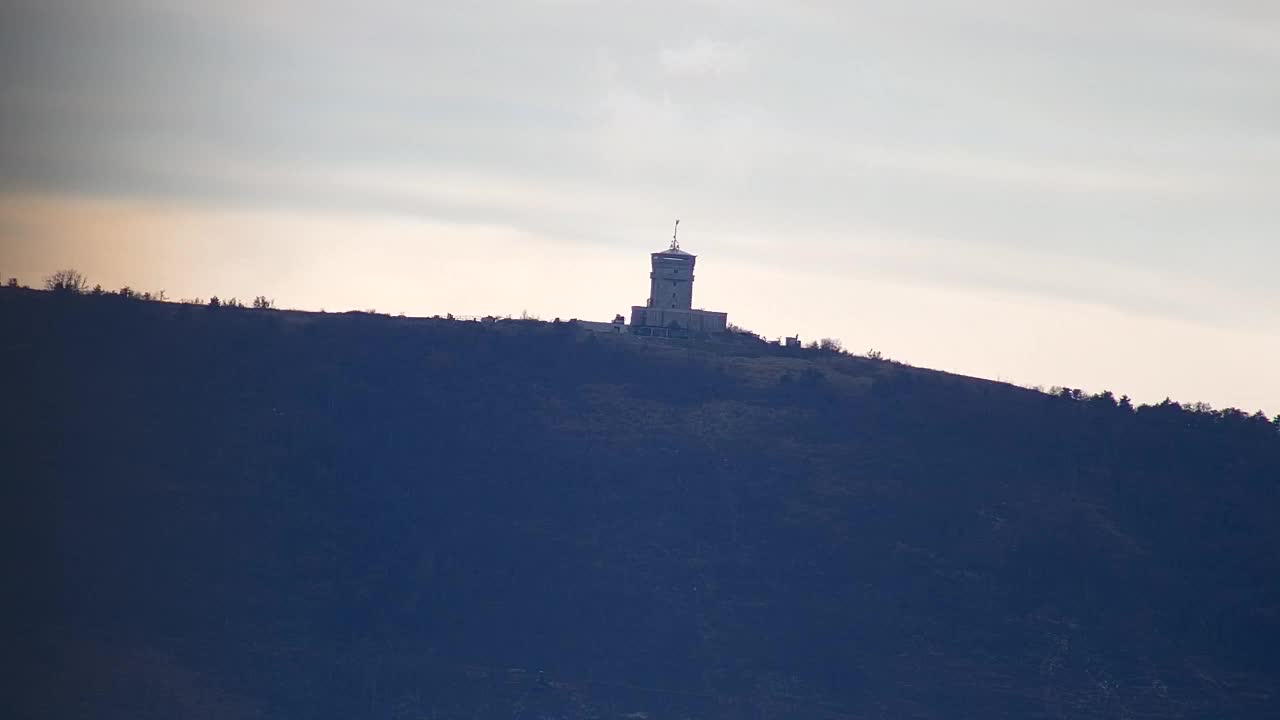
[{"x": 674, "y": 251}]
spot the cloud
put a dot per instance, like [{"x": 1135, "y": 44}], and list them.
[{"x": 703, "y": 57}]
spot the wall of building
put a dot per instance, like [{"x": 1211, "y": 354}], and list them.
[
  {"x": 616, "y": 328},
  {"x": 695, "y": 321}
]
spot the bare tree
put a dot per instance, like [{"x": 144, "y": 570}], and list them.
[{"x": 66, "y": 281}]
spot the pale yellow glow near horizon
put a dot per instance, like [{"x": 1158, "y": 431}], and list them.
[{"x": 340, "y": 261}]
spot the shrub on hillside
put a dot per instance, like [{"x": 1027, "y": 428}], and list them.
[{"x": 66, "y": 281}]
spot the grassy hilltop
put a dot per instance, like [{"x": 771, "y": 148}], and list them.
[{"x": 239, "y": 513}]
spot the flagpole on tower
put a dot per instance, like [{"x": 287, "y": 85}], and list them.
[{"x": 675, "y": 243}]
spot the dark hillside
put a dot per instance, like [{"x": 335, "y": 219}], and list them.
[{"x": 233, "y": 513}]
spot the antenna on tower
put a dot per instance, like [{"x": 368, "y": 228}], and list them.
[{"x": 675, "y": 242}]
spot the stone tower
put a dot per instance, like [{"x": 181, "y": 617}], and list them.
[
  {"x": 671, "y": 280},
  {"x": 669, "y": 311}
]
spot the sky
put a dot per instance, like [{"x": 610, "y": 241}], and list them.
[{"x": 1077, "y": 193}]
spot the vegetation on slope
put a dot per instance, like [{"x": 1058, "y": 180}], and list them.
[{"x": 230, "y": 512}]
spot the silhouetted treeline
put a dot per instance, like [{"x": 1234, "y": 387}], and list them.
[{"x": 277, "y": 514}]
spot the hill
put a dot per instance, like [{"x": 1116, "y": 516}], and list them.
[{"x": 242, "y": 513}]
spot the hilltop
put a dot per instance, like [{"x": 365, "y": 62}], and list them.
[{"x": 237, "y": 513}]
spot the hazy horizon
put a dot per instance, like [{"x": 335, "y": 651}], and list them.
[{"x": 1072, "y": 194}]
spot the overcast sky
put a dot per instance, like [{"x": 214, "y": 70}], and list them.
[{"x": 1078, "y": 193}]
